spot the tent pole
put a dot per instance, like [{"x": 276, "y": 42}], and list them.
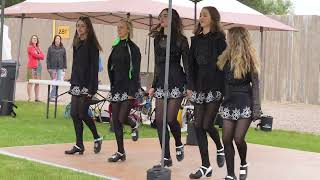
[
  {"x": 166, "y": 86},
  {"x": 261, "y": 42},
  {"x": 18, "y": 56},
  {"x": 53, "y": 28},
  {"x": 195, "y": 12},
  {"x": 20, "y": 40},
  {"x": 149, "y": 44},
  {"x": 1, "y": 34},
  {"x": 195, "y": 15},
  {"x": 262, "y": 76}
]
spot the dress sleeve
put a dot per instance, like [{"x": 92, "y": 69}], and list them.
[
  {"x": 155, "y": 71},
  {"x": 93, "y": 70},
  {"x": 64, "y": 59},
  {"x": 35, "y": 54},
  {"x": 185, "y": 55},
  {"x": 48, "y": 58},
  {"x": 222, "y": 45},
  {"x": 256, "y": 103},
  {"x": 136, "y": 65},
  {"x": 191, "y": 65}
]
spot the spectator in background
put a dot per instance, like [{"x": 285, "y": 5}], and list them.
[
  {"x": 34, "y": 65},
  {"x": 56, "y": 62}
]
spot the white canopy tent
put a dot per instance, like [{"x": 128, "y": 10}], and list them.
[{"x": 143, "y": 13}]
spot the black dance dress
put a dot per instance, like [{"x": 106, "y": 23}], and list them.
[
  {"x": 85, "y": 67},
  {"x": 241, "y": 97},
  {"x": 205, "y": 79},
  {"x": 179, "y": 48},
  {"x": 124, "y": 71}
]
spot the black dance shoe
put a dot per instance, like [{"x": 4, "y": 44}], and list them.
[
  {"x": 201, "y": 172},
  {"x": 75, "y": 149},
  {"x": 117, "y": 156}
]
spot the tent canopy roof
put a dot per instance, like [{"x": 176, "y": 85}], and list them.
[{"x": 141, "y": 11}]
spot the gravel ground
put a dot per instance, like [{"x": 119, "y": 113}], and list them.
[{"x": 297, "y": 117}]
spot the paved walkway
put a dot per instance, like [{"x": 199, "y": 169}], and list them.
[{"x": 266, "y": 163}]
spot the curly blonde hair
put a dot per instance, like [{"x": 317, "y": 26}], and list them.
[{"x": 240, "y": 52}]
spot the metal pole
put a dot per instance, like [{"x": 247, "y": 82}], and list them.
[
  {"x": 48, "y": 101},
  {"x": 53, "y": 28},
  {"x": 166, "y": 79},
  {"x": 261, "y": 42},
  {"x": 149, "y": 44},
  {"x": 18, "y": 57},
  {"x": 195, "y": 14},
  {"x": 20, "y": 39},
  {"x": 1, "y": 34},
  {"x": 262, "y": 77}
]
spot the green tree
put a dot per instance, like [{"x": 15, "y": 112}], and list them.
[
  {"x": 12, "y": 2},
  {"x": 278, "y": 7}
]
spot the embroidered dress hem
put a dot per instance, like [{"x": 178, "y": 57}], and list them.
[
  {"x": 173, "y": 93},
  {"x": 206, "y": 97}
]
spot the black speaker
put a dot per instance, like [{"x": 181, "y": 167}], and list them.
[
  {"x": 6, "y": 108},
  {"x": 158, "y": 173},
  {"x": 7, "y": 82},
  {"x": 218, "y": 121},
  {"x": 7, "y": 85},
  {"x": 265, "y": 123},
  {"x": 191, "y": 132}
]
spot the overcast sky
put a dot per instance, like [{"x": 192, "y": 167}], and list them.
[{"x": 306, "y": 7}]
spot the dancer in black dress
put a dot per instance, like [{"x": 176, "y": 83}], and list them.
[
  {"x": 179, "y": 48},
  {"x": 205, "y": 85},
  {"x": 84, "y": 82},
  {"x": 241, "y": 103},
  {"x": 124, "y": 71}
]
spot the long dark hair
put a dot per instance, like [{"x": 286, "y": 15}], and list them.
[
  {"x": 54, "y": 39},
  {"x": 215, "y": 21},
  {"x": 91, "y": 37},
  {"x": 176, "y": 26}
]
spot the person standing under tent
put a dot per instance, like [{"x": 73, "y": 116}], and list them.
[
  {"x": 56, "y": 62},
  {"x": 35, "y": 54}
]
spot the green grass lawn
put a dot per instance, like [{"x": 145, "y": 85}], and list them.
[
  {"x": 30, "y": 127},
  {"x": 14, "y": 168},
  {"x": 285, "y": 139}
]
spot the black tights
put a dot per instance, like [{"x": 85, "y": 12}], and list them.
[
  {"x": 120, "y": 113},
  {"x": 79, "y": 114},
  {"x": 173, "y": 108},
  {"x": 235, "y": 130},
  {"x": 204, "y": 123}
]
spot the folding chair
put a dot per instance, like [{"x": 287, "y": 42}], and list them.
[{"x": 96, "y": 106}]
